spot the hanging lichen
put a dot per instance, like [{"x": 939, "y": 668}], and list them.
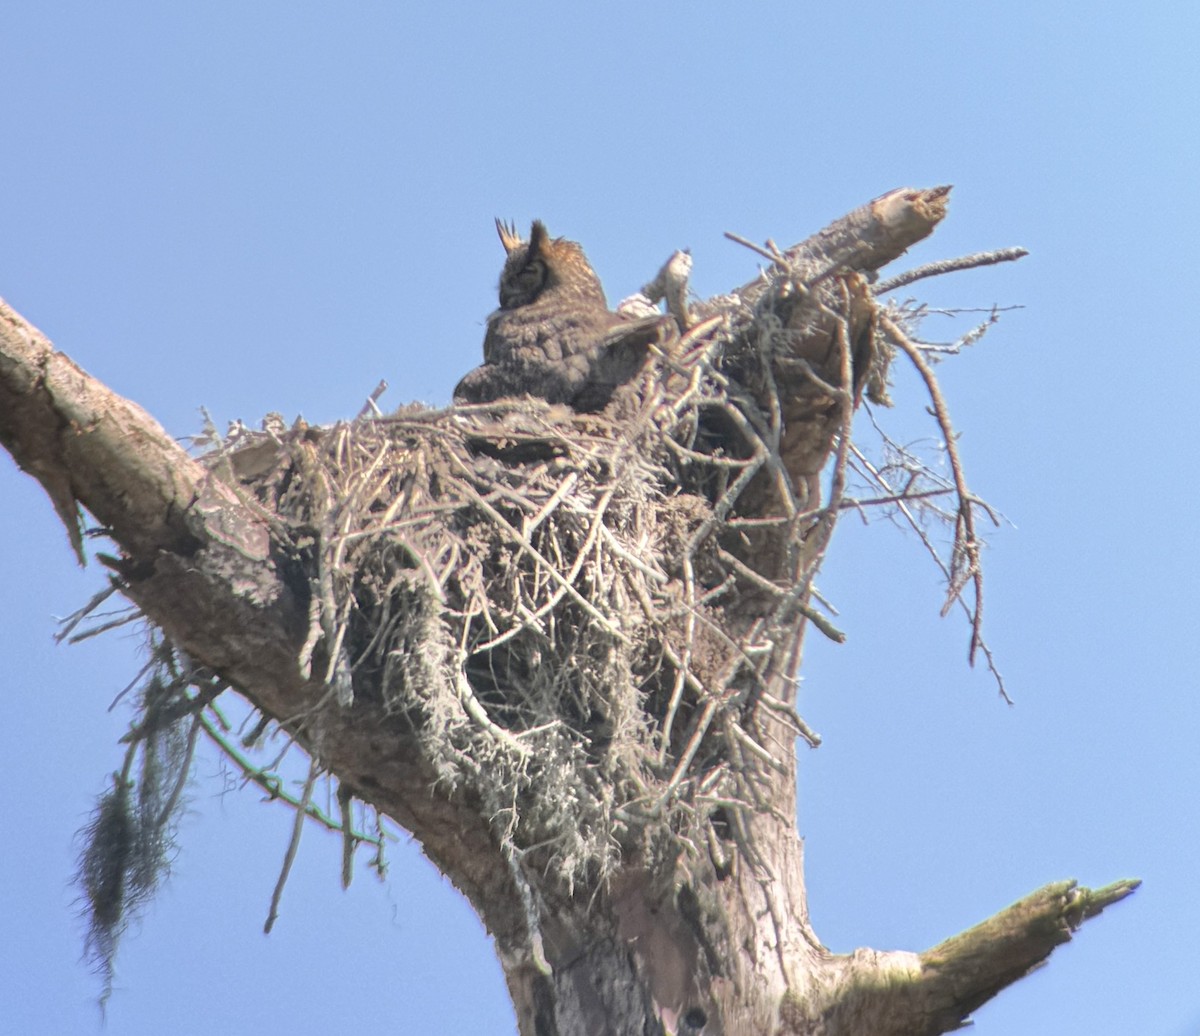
[{"x": 129, "y": 842}]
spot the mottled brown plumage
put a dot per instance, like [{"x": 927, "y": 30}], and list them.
[{"x": 553, "y": 336}]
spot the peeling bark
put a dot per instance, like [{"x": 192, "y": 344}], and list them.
[{"x": 726, "y": 945}]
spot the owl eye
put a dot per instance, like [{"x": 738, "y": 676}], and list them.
[{"x": 532, "y": 277}]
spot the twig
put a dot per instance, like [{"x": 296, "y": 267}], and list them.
[
  {"x": 370, "y": 408},
  {"x": 895, "y": 498},
  {"x": 683, "y": 659},
  {"x": 548, "y": 507},
  {"x": 965, "y": 566},
  {"x": 474, "y": 708},
  {"x": 67, "y": 625},
  {"x": 271, "y": 783},
  {"x": 901, "y": 506},
  {"x": 132, "y": 615},
  {"x": 345, "y": 801},
  {"x": 293, "y": 845},
  {"x": 966, "y": 262},
  {"x": 539, "y": 559},
  {"x": 772, "y": 254}
]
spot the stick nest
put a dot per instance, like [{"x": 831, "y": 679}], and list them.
[
  {"x": 590, "y": 623},
  {"x": 588, "y": 620}
]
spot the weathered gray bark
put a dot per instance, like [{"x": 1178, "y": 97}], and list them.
[
  {"x": 725, "y": 945},
  {"x": 199, "y": 562}
]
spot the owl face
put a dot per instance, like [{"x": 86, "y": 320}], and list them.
[{"x": 543, "y": 268}]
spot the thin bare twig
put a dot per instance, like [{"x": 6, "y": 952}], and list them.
[
  {"x": 370, "y": 407},
  {"x": 270, "y": 782},
  {"x": 966, "y": 262},
  {"x": 345, "y": 801},
  {"x": 67, "y": 625},
  {"x": 293, "y": 846},
  {"x": 769, "y": 252},
  {"x": 965, "y": 564}
]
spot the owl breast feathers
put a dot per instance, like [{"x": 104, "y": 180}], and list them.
[{"x": 554, "y": 337}]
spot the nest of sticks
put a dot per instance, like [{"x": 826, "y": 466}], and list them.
[
  {"x": 590, "y": 624},
  {"x": 556, "y": 603},
  {"x": 592, "y": 621}
]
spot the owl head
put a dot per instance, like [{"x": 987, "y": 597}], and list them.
[{"x": 545, "y": 268}]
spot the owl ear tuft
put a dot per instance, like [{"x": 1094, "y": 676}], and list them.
[
  {"x": 509, "y": 237},
  {"x": 538, "y": 236}
]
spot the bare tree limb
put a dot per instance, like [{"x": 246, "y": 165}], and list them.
[
  {"x": 867, "y": 238},
  {"x": 197, "y": 562},
  {"x": 964, "y": 972}
]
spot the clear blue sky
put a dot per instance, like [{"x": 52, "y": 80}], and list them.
[{"x": 271, "y": 206}]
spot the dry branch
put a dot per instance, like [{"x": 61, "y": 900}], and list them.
[
  {"x": 865, "y": 239},
  {"x": 964, "y": 972},
  {"x": 966, "y": 262}
]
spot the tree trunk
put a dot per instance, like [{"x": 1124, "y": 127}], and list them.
[{"x": 560, "y": 649}]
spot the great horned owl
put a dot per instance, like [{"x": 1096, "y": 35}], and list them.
[{"x": 554, "y": 336}]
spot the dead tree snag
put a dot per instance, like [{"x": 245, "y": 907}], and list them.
[{"x": 560, "y": 648}]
